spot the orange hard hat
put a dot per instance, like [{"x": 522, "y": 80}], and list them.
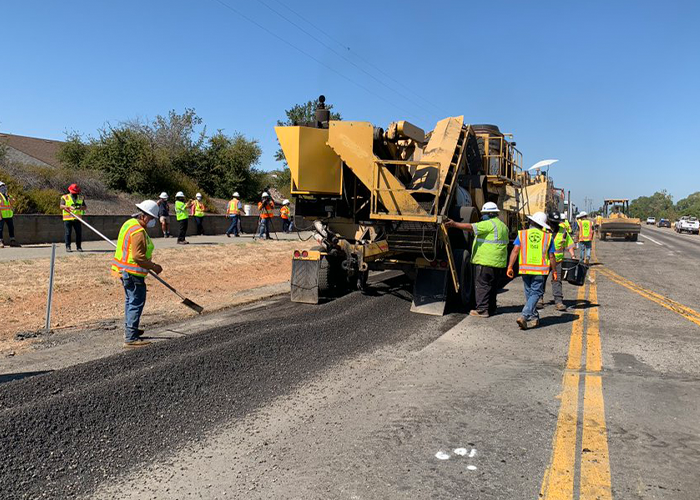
[{"x": 74, "y": 189}]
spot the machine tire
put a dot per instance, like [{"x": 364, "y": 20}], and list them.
[
  {"x": 603, "y": 236},
  {"x": 324, "y": 277},
  {"x": 634, "y": 237},
  {"x": 464, "y": 299}
]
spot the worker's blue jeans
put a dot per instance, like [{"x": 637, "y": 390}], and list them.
[
  {"x": 585, "y": 249},
  {"x": 264, "y": 228},
  {"x": 534, "y": 289},
  {"x": 135, "y": 291},
  {"x": 233, "y": 228}
]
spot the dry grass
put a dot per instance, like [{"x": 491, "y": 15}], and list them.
[{"x": 85, "y": 293}]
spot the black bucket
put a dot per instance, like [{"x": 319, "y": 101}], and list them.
[{"x": 574, "y": 272}]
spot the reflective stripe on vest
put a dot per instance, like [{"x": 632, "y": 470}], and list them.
[
  {"x": 69, "y": 202},
  {"x": 284, "y": 212},
  {"x": 232, "y": 208},
  {"x": 560, "y": 244},
  {"x": 491, "y": 252},
  {"x": 197, "y": 209},
  {"x": 584, "y": 230},
  {"x": 533, "y": 256},
  {"x": 180, "y": 210},
  {"x": 123, "y": 259},
  {"x": 268, "y": 211},
  {"x": 5, "y": 207}
]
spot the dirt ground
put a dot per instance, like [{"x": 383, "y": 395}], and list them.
[{"x": 86, "y": 293}]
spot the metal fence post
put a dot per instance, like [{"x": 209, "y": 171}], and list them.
[{"x": 47, "y": 327}]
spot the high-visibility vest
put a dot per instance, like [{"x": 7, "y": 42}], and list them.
[
  {"x": 585, "y": 231},
  {"x": 268, "y": 211},
  {"x": 562, "y": 241},
  {"x": 284, "y": 212},
  {"x": 180, "y": 210},
  {"x": 197, "y": 209},
  {"x": 232, "y": 208},
  {"x": 490, "y": 247},
  {"x": 69, "y": 202},
  {"x": 123, "y": 258},
  {"x": 534, "y": 255},
  {"x": 565, "y": 224},
  {"x": 6, "y": 207}
]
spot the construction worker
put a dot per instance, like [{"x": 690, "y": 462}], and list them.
[
  {"x": 197, "y": 211},
  {"x": 233, "y": 212},
  {"x": 565, "y": 224},
  {"x": 6, "y": 216},
  {"x": 534, "y": 250},
  {"x": 489, "y": 255},
  {"x": 562, "y": 242},
  {"x": 73, "y": 203},
  {"x": 164, "y": 214},
  {"x": 132, "y": 261},
  {"x": 286, "y": 216},
  {"x": 584, "y": 236},
  {"x": 182, "y": 218},
  {"x": 266, "y": 208}
]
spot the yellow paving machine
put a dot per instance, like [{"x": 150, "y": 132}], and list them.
[
  {"x": 377, "y": 199},
  {"x": 615, "y": 221}
]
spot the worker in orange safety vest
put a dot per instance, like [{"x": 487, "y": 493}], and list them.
[{"x": 266, "y": 207}]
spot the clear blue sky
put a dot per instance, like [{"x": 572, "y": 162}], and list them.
[{"x": 611, "y": 89}]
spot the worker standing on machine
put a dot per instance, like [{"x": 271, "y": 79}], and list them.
[
  {"x": 584, "y": 235},
  {"x": 489, "y": 256},
  {"x": 266, "y": 208},
  {"x": 132, "y": 261},
  {"x": 534, "y": 250},
  {"x": 286, "y": 216},
  {"x": 562, "y": 242}
]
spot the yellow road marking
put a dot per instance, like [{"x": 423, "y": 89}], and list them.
[
  {"x": 573, "y": 362},
  {"x": 595, "y": 483}
]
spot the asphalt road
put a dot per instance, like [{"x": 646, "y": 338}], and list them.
[{"x": 360, "y": 399}]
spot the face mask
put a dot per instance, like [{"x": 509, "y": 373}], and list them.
[
  {"x": 485, "y": 217},
  {"x": 151, "y": 223},
  {"x": 3, "y": 190}
]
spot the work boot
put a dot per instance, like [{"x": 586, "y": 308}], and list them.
[
  {"x": 13, "y": 243},
  {"x": 540, "y": 304},
  {"x": 80, "y": 250},
  {"x": 69, "y": 249},
  {"x": 587, "y": 261},
  {"x": 522, "y": 323},
  {"x": 2, "y": 244},
  {"x": 228, "y": 235},
  {"x": 533, "y": 323},
  {"x": 137, "y": 343},
  {"x": 479, "y": 314},
  {"x": 139, "y": 333},
  {"x": 560, "y": 306}
]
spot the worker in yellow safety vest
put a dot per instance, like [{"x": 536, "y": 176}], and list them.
[
  {"x": 73, "y": 203},
  {"x": 266, "y": 207},
  {"x": 285, "y": 214},
  {"x": 197, "y": 211},
  {"x": 534, "y": 250},
  {"x": 233, "y": 212},
  {"x": 489, "y": 255},
  {"x": 584, "y": 236},
  {"x": 132, "y": 262},
  {"x": 6, "y": 216},
  {"x": 182, "y": 217},
  {"x": 563, "y": 242}
]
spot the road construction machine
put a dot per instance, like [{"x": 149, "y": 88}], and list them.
[
  {"x": 615, "y": 222},
  {"x": 377, "y": 199}
]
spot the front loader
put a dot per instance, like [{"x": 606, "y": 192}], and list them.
[{"x": 378, "y": 198}]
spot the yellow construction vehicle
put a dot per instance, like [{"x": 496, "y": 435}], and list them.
[
  {"x": 377, "y": 199},
  {"x": 615, "y": 221}
]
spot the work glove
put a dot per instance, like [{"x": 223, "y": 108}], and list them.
[{"x": 157, "y": 269}]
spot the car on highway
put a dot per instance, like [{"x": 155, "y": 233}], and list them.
[
  {"x": 688, "y": 224},
  {"x": 651, "y": 220},
  {"x": 664, "y": 223}
]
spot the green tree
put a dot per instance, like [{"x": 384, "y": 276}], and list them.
[
  {"x": 689, "y": 205},
  {"x": 659, "y": 205}
]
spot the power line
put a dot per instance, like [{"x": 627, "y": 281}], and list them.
[
  {"x": 366, "y": 89},
  {"x": 343, "y": 56},
  {"x": 369, "y": 63}
]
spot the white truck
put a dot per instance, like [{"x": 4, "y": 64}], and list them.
[{"x": 687, "y": 224}]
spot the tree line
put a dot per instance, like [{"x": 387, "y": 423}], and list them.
[{"x": 661, "y": 206}]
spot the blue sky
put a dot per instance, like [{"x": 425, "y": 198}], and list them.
[{"x": 609, "y": 88}]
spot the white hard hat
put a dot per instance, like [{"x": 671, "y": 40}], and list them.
[
  {"x": 163, "y": 195},
  {"x": 198, "y": 195},
  {"x": 2, "y": 183},
  {"x": 539, "y": 218},
  {"x": 265, "y": 195},
  {"x": 179, "y": 194},
  {"x": 149, "y": 207},
  {"x": 489, "y": 207},
  {"x": 236, "y": 195},
  {"x": 581, "y": 214},
  {"x": 285, "y": 202}
]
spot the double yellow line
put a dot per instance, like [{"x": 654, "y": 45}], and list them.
[{"x": 592, "y": 454}]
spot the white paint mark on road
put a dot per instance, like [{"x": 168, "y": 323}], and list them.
[
  {"x": 471, "y": 467},
  {"x": 460, "y": 451},
  {"x": 651, "y": 239},
  {"x": 640, "y": 243},
  {"x": 441, "y": 455},
  {"x": 472, "y": 453}
]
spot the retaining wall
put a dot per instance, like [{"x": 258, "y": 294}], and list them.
[{"x": 32, "y": 229}]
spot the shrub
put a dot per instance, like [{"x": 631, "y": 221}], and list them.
[{"x": 45, "y": 201}]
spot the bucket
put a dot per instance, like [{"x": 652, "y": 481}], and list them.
[
  {"x": 574, "y": 272},
  {"x": 246, "y": 209}
]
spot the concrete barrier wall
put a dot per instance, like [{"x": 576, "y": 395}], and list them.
[{"x": 32, "y": 229}]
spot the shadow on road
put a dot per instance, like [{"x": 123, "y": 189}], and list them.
[
  {"x": 9, "y": 377},
  {"x": 557, "y": 320}
]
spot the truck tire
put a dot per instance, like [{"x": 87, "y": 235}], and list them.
[
  {"x": 634, "y": 237},
  {"x": 464, "y": 299},
  {"x": 603, "y": 236}
]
